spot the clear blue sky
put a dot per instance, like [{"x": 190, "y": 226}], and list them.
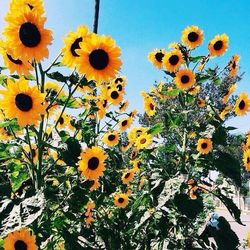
[{"x": 141, "y": 25}]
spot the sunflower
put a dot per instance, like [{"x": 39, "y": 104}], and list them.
[
  {"x": 114, "y": 96},
  {"x": 22, "y": 102},
  {"x": 125, "y": 123},
  {"x": 218, "y": 45},
  {"x": 32, "y": 154},
  {"x": 233, "y": 66},
  {"x": 134, "y": 133},
  {"x": 156, "y": 57},
  {"x": 192, "y": 36},
  {"x": 194, "y": 90},
  {"x": 135, "y": 164},
  {"x": 72, "y": 43},
  {"x": 184, "y": 79},
  {"x": 5, "y": 135},
  {"x": 121, "y": 200},
  {"x": 126, "y": 146},
  {"x": 173, "y": 60},
  {"x": 128, "y": 176},
  {"x": 228, "y": 93},
  {"x": 17, "y": 6},
  {"x": 95, "y": 185},
  {"x": 28, "y": 37},
  {"x": 242, "y": 105},
  {"x": 120, "y": 80},
  {"x": 224, "y": 112},
  {"x": 204, "y": 145},
  {"x": 64, "y": 121},
  {"x": 150, "y": 106},
  {"x": 14, "y": 64},
  {"x": 201, "y": 103},
  {"x": 111, "y": 138},
  {"x": 102, "y": 105},
  {"x": 248, "y": 239},
  {"x": 143, "y": 141},
  {"x": 123, "y": 106},
  {"x": 92, "y": 163},
  {"x": 53, "y": 89},
  {"x": 246, "y": 159},
  {"x": 20, "y": 240},
  {"x": 99, "y": 58}
]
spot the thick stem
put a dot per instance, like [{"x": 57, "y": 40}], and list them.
[{"x": 96, "y": 17}]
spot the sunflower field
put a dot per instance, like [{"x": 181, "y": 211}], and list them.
[{"x": 78, "y": 171}]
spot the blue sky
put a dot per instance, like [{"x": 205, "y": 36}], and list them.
[{"x": 139, "y": 26}]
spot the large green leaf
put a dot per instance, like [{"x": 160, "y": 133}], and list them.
[{"x": 229, "y": 166}]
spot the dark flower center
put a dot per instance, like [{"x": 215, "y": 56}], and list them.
[
  {"x": 93, "y": 163},
  {"x": 114, "y": 94},
  {"x": 23, "y": 102},
  {"x": 119, "y": 79},
  {"x": 119, "y": 87},
  {"x": 20, "y": 245},
  {"x": 242, "y": 104},
  {"x": 18, "y": 62},
  {"x": 152, "y": 107},
  {"x": 120, "y": 200},
  {"x": 124, "y": 123},
  {"x": 159, "y": 56},
  {"x": 234, "y": 65},
  {"x": 127, "y": 175},
  {"x": 111, "y": 137},
  {"x": 193, "y": 37},
  {"x": 174, "y": 59},
  {"x": 61, "y": 120},
  {"x": 218, "y": 45},
  {"x": 30, "y": 6},
  {"x": 204, "y": 145},
  {"x": 185, "y": 79},
  {"x": 29, "y": 35},
  {"x": 143, "y": 140},
  {"x": 248, "y": 160},
  {"x": 99, "y": 59},
  {"x": 75, "y": 45},
  {"x": 104, "y": 103}
]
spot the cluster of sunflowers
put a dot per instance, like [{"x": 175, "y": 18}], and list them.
[
  {"x": 246, "y": 152},
  {"x": 34, "y": 112}
]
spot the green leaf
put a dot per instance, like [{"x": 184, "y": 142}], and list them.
[
  {"x": 231, "y": 128},
  {"x": 58, "y": 76},
  {"x": 72, "y": 152},
  {"x": 172, "y": 92},
  {"x": 232, "y": 208},
  {"x": 188, "y": 207},
  {"x": 229, "y": 166},
  {"x": 217, "y": 81},
  {"x": 71, "y": 103},
  {"x": 201, "y": 78},
  {"x": 156, "y": 129},
  {"x": 220, "y": 136},
  {"x": 196, "y": 58},
  {"x": 30, "y": 77}
]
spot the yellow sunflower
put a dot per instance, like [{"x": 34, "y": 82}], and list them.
[
  {"x": 233, "y": 65},
  {"x": 242, "y": 105},
  {"x": 125, "y": 123},
  {"x": 246, "y": 159},
  {"x": 53, "y": 89},
  {"x": 92, "y": 163},
  {"x": 111, "y": 138},
  {"x": 184, "y": 79},
  {"x": 224, "y": 112},
  {"x": 120, "y": 80},
  {"x": 5, "y": 135},
  {"x": 28, "y": 37},
  {"x": 123, "y": 106},
  {"x": 17, "y": 6},
  {"x": 192, "y": 36},
  {"x": 32, "y": 154},
  {"x": 204, "y": 145},
  {"x": 194, "y": 90},
  {"x": 134, "y": 133},
  {"x": 121, "y": 200},
  {"x": 64, "y": 121},
  {"x": 72, "y": 43},
  {"x": 126, "y": 146},
  {"x": 102, "y": 105},
  {"x": 20, "y": 240},
  {"x": 95, "y": 185},
  {"x": 218, "y": 45},
  {"x": 114, "y": 96},
  {"x": 156, "y": 57},
  {"x": 128, "y": 176},
  {"x": 229, "y": 92},
  {"x": 143, "y": 141},
  {"x": 22, "y": 102},
  {"x": 201, "y": 103},
  {"x": 14, "y": 64},
  {"x": 173, "y": 60},
  {"x": 99, "y": 58},
  {"x": 150, "y": 106}
]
